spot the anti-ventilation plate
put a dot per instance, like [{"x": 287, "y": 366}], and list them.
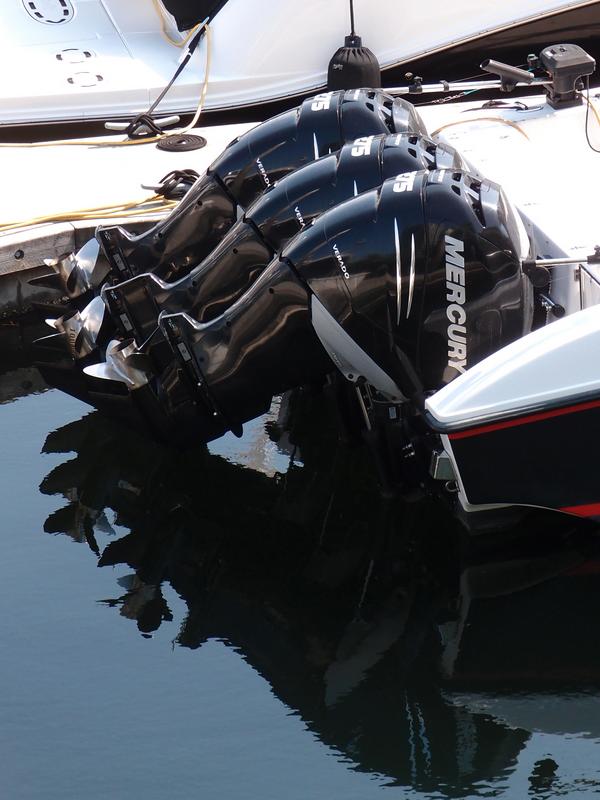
[{"x": 51, "y": 12}]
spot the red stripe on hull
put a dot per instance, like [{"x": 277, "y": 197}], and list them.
[
  {"x": 588, "y": 568},
  {"x": 513, "y": 423},
  {"x": 589, "y": 510}
]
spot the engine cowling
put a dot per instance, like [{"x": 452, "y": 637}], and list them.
[
  {"x": 403, "y": 287},
  {"x": 293, "y": 204},
  {"x": 250, "y": 164},
  {"x": 424, "y": 274}
]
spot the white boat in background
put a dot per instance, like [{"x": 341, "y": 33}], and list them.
[{"x": 78, "y": 60}]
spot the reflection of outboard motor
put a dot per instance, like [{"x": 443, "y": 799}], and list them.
[
  {"x": 246, "y": 167},
  {"x": 268, "y": 225},
  {"x": 402, "y": 288}
]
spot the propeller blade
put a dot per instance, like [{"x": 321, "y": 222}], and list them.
[
  {"x": 95, "y": 319},
  {"x": 120, "y": 365},
  {"x": 82, "y": 328},
  {"x": 76, "y": 273}
]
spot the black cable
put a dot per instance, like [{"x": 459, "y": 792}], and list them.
[
  {"x": 176, "y": 183},
  {"x": 352, "y": 32},
  {"x": 587, "y": 115},
  {"x": 449, "y": 98},
  {"x": 446, "y": 98},
  {"x": 190, "y": 52},
  {"x": 143, "y": 125}
]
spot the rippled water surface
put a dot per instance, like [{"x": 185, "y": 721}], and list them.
[{"x": 255, "y": 622}]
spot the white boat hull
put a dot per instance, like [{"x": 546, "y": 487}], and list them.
[{"x": 97, "y": 59}]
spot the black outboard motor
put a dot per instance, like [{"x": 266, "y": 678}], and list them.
[
  {"x": 249, "y": 165},
  {"x": 401, "y": 288},
  {"x": 275, "y": 218}
]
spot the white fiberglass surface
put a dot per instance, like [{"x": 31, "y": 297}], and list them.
[
  {"x": 541, "y": 158},
  {"x": 106, "y": 59},
  {"x": 79, "y": 177},
  {"x": 557, "y": 363},
  {"x": 263, "y": 52},
  {"x": 260, "y": 51}
]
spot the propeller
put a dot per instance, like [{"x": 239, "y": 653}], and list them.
[
  {"x": 123, "y": 365},
  {"x": 80, "y": 332},
  {"x": 76, "y": 274}
]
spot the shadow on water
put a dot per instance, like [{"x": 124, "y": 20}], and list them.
[{"x": 418, "y": 653}]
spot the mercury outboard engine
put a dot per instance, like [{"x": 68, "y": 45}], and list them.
[
  {"x": 269, "y": 224},
  {"x": 249, "y": 165},
  {"x": 401, "y": 289}
]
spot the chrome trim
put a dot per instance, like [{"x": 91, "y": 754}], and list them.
[
  {"x": 398, "y": 272},
  {"x": 411, "y": 285}
]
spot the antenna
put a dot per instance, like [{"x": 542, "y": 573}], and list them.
[{"x": 353, "y": 65}]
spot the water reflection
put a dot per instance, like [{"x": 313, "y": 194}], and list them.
[
  {"x": 18, "y": 376},
  {"x": 420, "y": 655}
]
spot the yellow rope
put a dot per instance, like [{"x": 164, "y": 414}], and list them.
[
  {"x": 131, "y": 209},
  {"x": 204, "y": 89},
  {"x": 154, "y": 204},
  {"x": 165, "y": 32},
  {"x": 481, "y": 119},
  {"x": 592, "y": 106},
  {"x": 130, "y": 142}
]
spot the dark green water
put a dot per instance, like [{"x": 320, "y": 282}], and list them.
[{"x": 253, "y": 622}]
